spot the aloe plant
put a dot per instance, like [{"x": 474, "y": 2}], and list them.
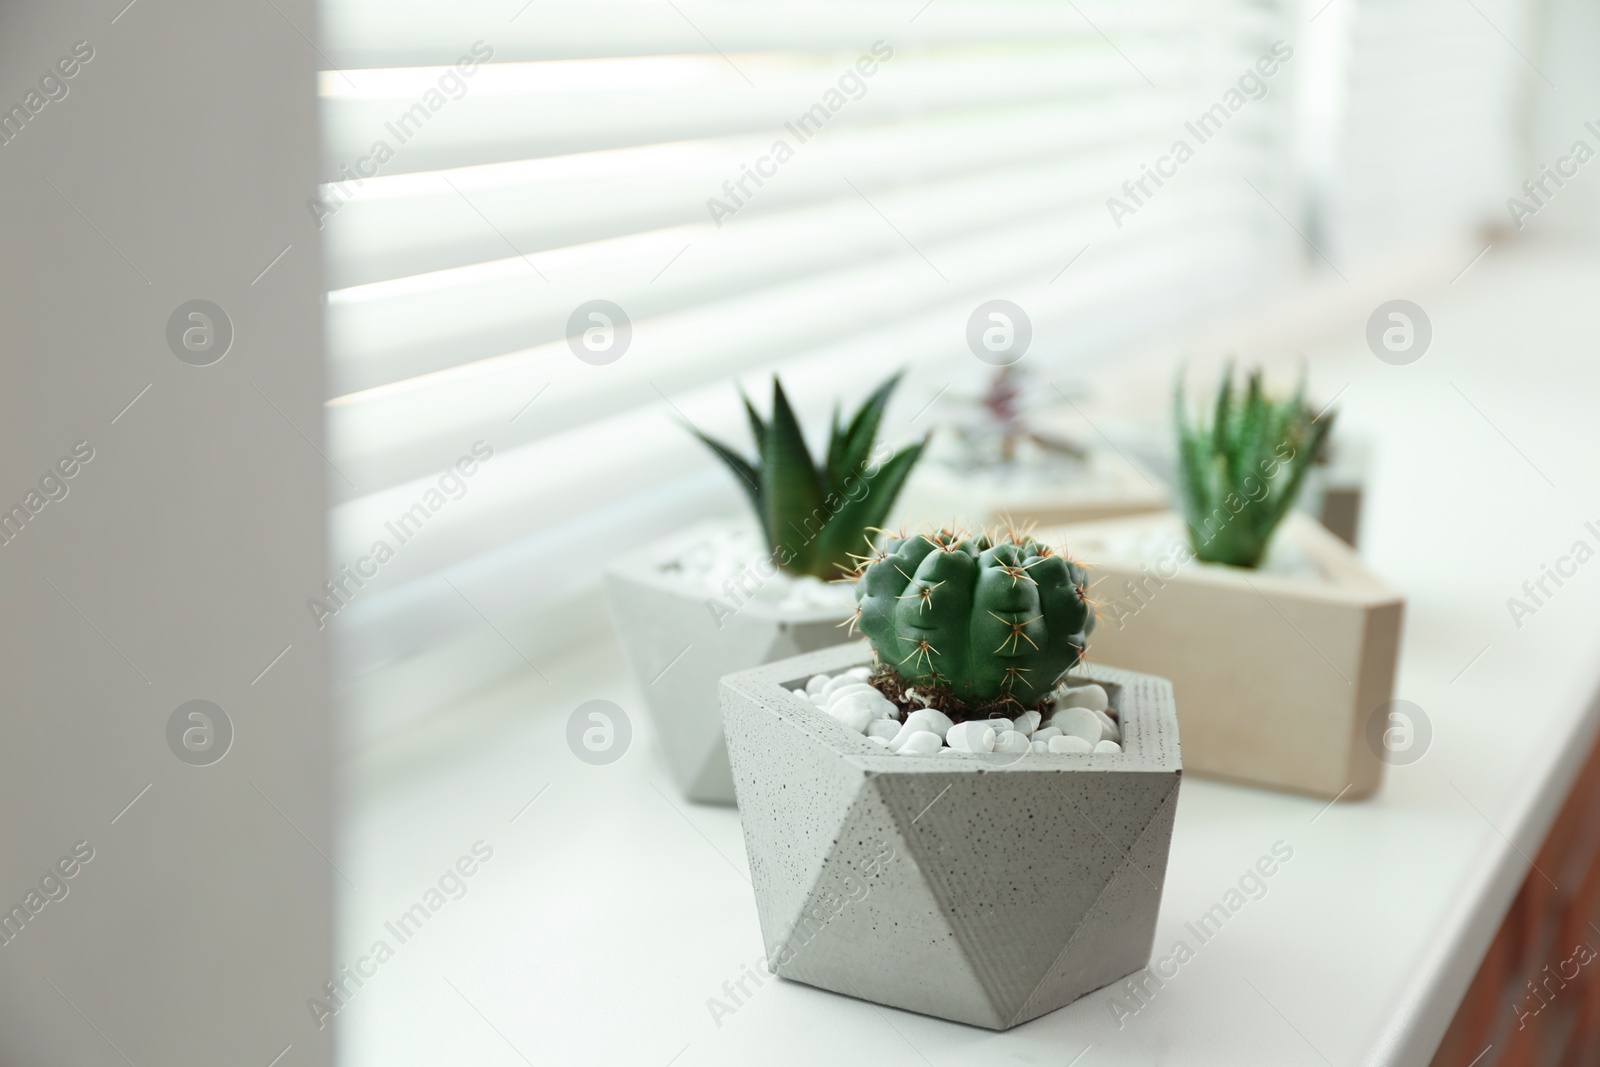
[
  {"x": 1240, "y": 473},
  {"x": 815, "y": 516}
]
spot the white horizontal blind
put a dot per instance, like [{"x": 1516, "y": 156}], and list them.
[{"x": 975, "y": 161}]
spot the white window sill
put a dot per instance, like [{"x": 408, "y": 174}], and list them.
[{"x": 612, "y": 910}]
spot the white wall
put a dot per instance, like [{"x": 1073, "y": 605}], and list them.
[{"x": 178, "y": 563}]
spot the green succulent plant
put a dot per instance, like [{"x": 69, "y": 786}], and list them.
[
  {"x": 983, "y": 620},
  {"x": 815, "y": 517},
  {"x": 1240, "y": 473}
]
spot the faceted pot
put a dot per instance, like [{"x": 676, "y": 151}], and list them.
[{"x": 986, "y": 889}]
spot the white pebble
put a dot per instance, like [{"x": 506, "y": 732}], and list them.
[
  {"x": 1108, "y": 746},
  {"x": 972, "y": 736},
  {"x": 853, "y": 712},
  {"x": 1027, "y": 723},
  {"x": 866, "y": 694},
  {"x": 1108, "y": 727},
  {"x": 846, "y": 690},
  {"x": 948, "y": 752},
  {"x": 920, "y": 743},
  {"x": 913, "y": 726},
  {"x": 1039, "y": 746},
  {"x": 801, "y": 693},
  {"x": 930, "y": 719},
  {"x": 838, "y": 681},
  {"x": 862, "y": 673},
  {"x": 1011, "y": 741},
  {"x": 886, "y": 708},
  {"x": 816, "y": 683},
  {"x": 1084, "y": 696},
  {"x": 1071, "y": 745},
  {"x": 884, "y": 741},
  {"x": 1079, "y": 722},
  {"x": 999, "y": 725},
  {"x": 905, "y": 733},
  {"x": 882, "y": 730},
  {"x": 1047, "y": 733},
  {"x": 882, "y": 707}
]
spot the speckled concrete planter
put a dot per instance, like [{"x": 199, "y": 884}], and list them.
[
  {"x": 1276, "y": 675},
  {"x": 985, "y": 889},
  {"x": 678, "y": 643}
]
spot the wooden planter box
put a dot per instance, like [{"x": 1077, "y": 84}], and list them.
[{"x": 1276, "y": 676}]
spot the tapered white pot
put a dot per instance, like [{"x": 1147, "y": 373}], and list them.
[{"x": 680, "y": 636}]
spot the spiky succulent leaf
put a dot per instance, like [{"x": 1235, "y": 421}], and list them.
[
  {"x": 791, "y": 490},
  {"x": 758, "y": 428},
  {"x": 1240, "y": 475},
  {"x": 856, "y": 444},
  {"x": 835, "y": 445},
  {"x": 863, "y": 509},
  {"x": 1192, "y": 480}
]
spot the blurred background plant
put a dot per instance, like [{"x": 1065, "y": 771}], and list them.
[
  {"x": 1002, "y": 426},
  {"x": 1239, "y": 473}
]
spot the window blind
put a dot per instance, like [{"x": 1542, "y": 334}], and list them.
[{"x": 491, "y": 166}]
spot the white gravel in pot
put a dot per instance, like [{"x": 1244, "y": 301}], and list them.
[
  {"x": 1080, "y": 721},
  {"x": 736, "y": 563}
]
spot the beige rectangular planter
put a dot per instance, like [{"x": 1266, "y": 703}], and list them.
[{"x": 1276, "y": 674}]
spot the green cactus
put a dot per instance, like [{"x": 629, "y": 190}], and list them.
[
  {"x": 1240, "y": 474},
  {"x": 986, "y": 620},
  {"x": 813, "y": 517}
]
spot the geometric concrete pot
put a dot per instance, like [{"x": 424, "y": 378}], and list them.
[
  {"x": 985, "y": 889},
  {"x": 1276, "y": 675},
  {"x": 1105, "y": 485},
  {"x": 680, "y": 638}
]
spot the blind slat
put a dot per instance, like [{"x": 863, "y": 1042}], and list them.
[{"x": 416, "y": 33}]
